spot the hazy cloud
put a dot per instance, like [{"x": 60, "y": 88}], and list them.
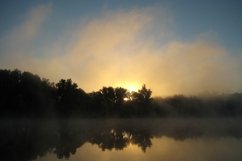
[
  {"x": 17, "y": 44},
  {"x": 120, "y": 48}
]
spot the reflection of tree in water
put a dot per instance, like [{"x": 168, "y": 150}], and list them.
[
  {"x": 142, "y": 138},
  {"x": 68, "y": 140},
  {"x": 23, "y": 142},
  {"x": 109, "y": 139},
  {"x": 27, "y": 140},
  {"x": 120, "y": 138}
]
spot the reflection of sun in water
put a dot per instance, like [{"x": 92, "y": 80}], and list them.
[{"x": 132, "y": 147}]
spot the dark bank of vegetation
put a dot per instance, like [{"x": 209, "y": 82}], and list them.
[{"x": 23, "y": 94}]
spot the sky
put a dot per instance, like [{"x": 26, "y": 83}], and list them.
[{"x": 174, "y": 47}]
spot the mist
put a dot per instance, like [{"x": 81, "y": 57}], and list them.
[{"x": 118, "y": 48}]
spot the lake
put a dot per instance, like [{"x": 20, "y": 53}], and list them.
[{"x": 172, "y": 139}]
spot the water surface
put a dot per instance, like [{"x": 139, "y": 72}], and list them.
[{"x": 122, "y": 139}]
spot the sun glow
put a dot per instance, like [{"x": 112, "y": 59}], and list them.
[{"x": 132, "y": 88}]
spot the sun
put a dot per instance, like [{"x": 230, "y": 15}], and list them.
[{"x": 132, "y": 88}]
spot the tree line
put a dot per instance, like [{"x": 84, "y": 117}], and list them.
[{"x": 23, "y": 94}]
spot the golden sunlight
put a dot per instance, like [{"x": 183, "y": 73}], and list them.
[
  {"x": 132, "y": 88},
  {"x": 126, "y": 99}
]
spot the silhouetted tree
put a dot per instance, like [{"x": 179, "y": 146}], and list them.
[
  {"x": 23, "y": 94},
  {"x": 70, "y": 99},
  {"x": 143, "y": 95},
  {"x": 108, "y": 94},
  {"x": 120, "y": 94}
]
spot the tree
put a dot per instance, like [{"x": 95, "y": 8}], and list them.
[
  {"x": 120, "y": 94},
  {"x": 108, "y": 94},
  {"x": 69, "y": 97},
  {"x": 143, "y": 95},
  {"x": 66, "y": 91}
]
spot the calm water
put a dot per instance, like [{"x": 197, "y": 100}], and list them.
[{"x": 122, "y": 139}]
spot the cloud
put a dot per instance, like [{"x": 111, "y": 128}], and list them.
[
  {"x": 125, "y": 47},
  {"x": 17, "y": 43},
  {"x": 195, "y": 67}
]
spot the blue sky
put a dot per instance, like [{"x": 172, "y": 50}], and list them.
[
  {"x": 73, "y": 34},
  {"x": 222, "y": 18}
]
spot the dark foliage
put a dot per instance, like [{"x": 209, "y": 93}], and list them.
[{"x": 23, "y": 94}]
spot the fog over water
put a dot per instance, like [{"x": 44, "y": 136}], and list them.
[{"x": 122, "y": 139}]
